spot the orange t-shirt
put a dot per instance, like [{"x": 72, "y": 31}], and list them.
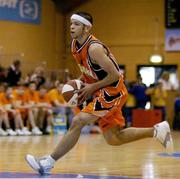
[
  {"x": 32, "y": 96},
  {"x": 4, "y": 100},
  {"x": 44, "y": 99},
  {"x": 21, "y": 99},
  {"x": 55, "y": 95}
]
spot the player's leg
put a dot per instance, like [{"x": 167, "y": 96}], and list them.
[
  {"x": 72, "y": 136},
  {"x": 118, "y": 136},
  {"x": 161, "y": 131},
  {"x": 68, "y": 141}
]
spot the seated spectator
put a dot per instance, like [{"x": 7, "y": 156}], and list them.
[
  {"x": 32, "y": 99},
  {"x": 55, "y": 96},
  {"x": 45, "y": 110},
  {"x": 4, "y": 119},
  {"x": 9, "y": 113},
  {"x": 20, "y": 103},
  {"x": 59, "y": 104}
]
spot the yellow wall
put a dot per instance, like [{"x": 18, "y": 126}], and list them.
[
  {"x": 129, "y": 28},
  {"x": 37, "y": 42}
]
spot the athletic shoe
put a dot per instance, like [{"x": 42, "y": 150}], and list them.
[
  {"x": 11, "y": 132},
  {"x": 48, "y": 129},
  {"x": 163, "y": 133},
  {"x": 26, "y": 131},
  {"x": 36, "y": 131},
  {"x": 40, "y": 165},
  {"x": 3, "y": 132},
  {"x": 19, "y": 132}
]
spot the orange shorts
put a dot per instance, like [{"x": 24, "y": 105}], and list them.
[{"x": 107, "y": 105}]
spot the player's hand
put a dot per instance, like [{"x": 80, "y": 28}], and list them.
[{"x": 85, "y": 92}]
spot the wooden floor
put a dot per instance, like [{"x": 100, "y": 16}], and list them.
[{"x": 92, "y": 156}]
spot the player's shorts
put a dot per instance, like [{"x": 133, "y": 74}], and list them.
[{"x": 107, "y": 105}]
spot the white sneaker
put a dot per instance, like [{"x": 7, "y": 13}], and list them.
[
  {"x": 36, "y": 131},
  {"x": 40, "y": 165},
  {"x": 11, "y": 132},
  {"x": 3, "y": 132},
  {"x": 19, "y": 132},
  {"x": 26, "y": 131},
  {"x": 163, "y": 133},
  {"x": 48, "y": 129}
]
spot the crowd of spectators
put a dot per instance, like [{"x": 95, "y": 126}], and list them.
[
  {"x": 29, "y": 104},
  {"x": 155, "y": 95}
]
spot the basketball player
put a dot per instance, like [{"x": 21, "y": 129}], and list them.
[{"x": 103, "y": 80}]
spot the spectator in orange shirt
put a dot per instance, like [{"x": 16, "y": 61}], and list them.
[
  {"x": 45, "y": 108},
  {"x": 8, "y": 112},
  {"x": 32, "y": 99},
  {"x": 56, "y": 97},
  {"x": 20, "y": 102},
  {"x": 59, "y": 104},
  {"x": 3, "y": 118}
]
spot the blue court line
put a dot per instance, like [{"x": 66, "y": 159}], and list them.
[
  {"x": 173, "y": 155},
  {"x": 80, "y": 176}
]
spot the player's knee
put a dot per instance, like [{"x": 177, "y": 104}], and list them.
[
  {"x": 78, "y": 122},
  {"x": 112, "y": 140}
]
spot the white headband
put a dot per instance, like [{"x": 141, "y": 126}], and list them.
[{"x": 81, "y": 19}]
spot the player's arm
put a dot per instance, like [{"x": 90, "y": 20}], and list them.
[{"x": 98, "y": 56}]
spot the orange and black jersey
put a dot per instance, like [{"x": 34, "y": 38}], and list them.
[
  {"x": 91, "y": 72},
  {"x": 106, "y": 103},
  {"x": 108, "y": 97}
]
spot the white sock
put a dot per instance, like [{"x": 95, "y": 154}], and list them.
[
  {"x": 155, "y": 132},
  {"x": 51, "y": 160}
]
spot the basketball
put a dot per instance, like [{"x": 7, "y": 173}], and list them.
[{"x": 69, "y": 91}]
